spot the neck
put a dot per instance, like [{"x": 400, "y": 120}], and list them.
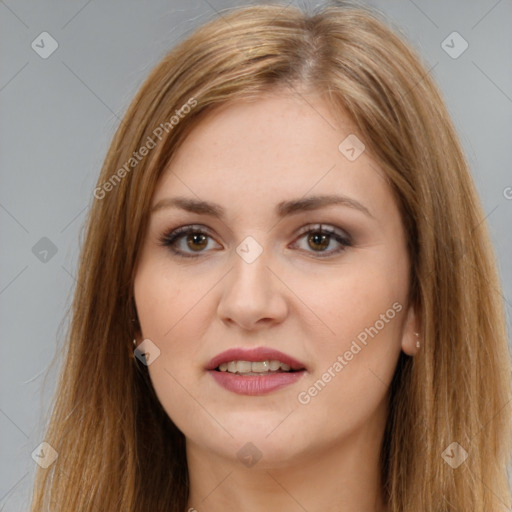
[{"x": 345, "y": 477}]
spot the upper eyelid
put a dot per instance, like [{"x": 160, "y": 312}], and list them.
[
  {"x": 323, "y": 226},
  {"x": 313, "y": 226}
]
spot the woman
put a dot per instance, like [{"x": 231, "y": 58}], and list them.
[{"x": 288, "y": 298}]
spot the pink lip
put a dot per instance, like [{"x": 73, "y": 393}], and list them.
[
  {"x": 255, "y": 384},
  {"x": 254, "y": 354}
]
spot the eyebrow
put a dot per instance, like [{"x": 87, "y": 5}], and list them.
[{"x": 283, "y": 209}]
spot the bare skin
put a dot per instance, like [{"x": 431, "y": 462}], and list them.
[{"x": 311, "y": 448}]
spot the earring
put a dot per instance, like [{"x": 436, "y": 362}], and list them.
[
  {"x": 134, "y": 341},
  {"x": 417, "y": 339}
]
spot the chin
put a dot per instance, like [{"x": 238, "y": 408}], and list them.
[{"x": 263, "y": 438}]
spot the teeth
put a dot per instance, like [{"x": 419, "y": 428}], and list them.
[
  {"x": 259, "y": 366},
  {"x": 256, "y": 367},
  {"x": 243, "y": 366},
  {"x": 274, "y": 365}
]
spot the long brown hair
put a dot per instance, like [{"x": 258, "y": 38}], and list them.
[{"x": 117, "y": 448}]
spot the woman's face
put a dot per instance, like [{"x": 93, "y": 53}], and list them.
[{"x": 258, "y": 276}]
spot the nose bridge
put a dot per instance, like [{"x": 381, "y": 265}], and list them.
[
  {"x": 251, "y": 291},
  {"x": 250, "y": 274}
]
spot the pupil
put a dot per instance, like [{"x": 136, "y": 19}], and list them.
[
  {"x": 319, "y": 236},
  {"x": 192, "y": 239}
]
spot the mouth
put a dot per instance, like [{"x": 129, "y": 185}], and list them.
[
  {"x": 252, "y": 368},
  {"x": 260, "y": 360},
  {"x": 255, "y": 371}
]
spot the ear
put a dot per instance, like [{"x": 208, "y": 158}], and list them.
[
  {"x": 137, "y": 333},
  {"x": 137, "y": 340},
  {"x": 411, "y": 327}
]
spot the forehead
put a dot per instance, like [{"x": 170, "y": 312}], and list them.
[{"x": 266, "y": 150}]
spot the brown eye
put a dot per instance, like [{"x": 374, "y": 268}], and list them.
[
  {"x": 319, "y": 241},
  {"x": 197, "y": 241},
  {"x": 320, "y": 238}
]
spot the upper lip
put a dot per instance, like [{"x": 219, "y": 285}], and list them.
[{"x": 254, "y": 354}]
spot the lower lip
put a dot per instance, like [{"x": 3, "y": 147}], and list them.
[{"x": 254, "y": 384}]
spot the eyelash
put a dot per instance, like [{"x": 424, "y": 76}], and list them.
[{"x": 170, "y": 239}]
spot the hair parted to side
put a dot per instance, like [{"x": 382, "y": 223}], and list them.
[{"x": 117, "y": 448}]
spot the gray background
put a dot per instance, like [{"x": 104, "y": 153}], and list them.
[{"x": 60, "y": 113}]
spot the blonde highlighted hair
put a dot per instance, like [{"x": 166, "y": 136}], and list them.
[{"x": 118, "y": 449}]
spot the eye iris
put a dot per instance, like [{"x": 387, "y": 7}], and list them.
[
  {"x": 319, "y": 239},
  {"x": 194, "y": 238}
]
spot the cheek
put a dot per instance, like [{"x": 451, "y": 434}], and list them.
[
  {"x": 365, "y": 311},
  {"x": 165, "y": 299},
  {"x": 354, "y": 366},
  {"x": 173, "y": 316},
  {"x": 357, "y": 300}
]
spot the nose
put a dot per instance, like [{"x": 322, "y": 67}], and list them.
[{"x": 253, "y": 296}]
